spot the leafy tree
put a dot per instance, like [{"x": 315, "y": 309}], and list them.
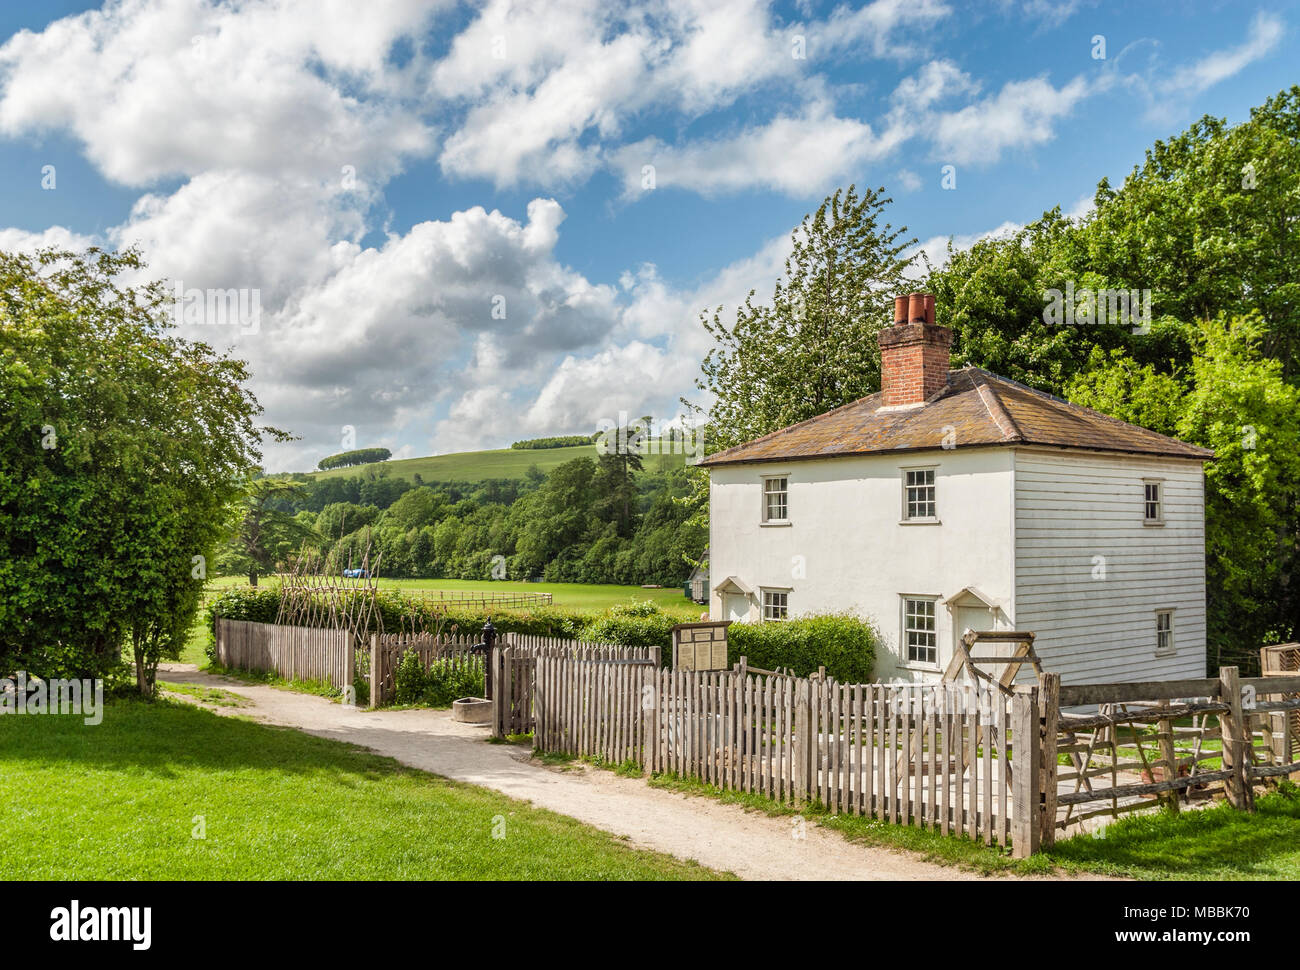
[
  {"x": 814, "y": 347},
  {"x": 1233, "y": 399},
  {"x": 265, "y": 534},
  {"x": 361, "y": 456},
  {"x": 121, "y": 447},
  {"x": 1210, "y": 222},
  {"x": 620, "y": 458}
]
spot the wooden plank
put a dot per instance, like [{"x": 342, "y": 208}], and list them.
[
  {"x": 972, "y": 760},
  {"x": 1150, "y": 690},
  {"x": 1025, "y": 833},
  {"x": 1049, "y": 711},
  {"x": 1000, "y": 729},
  {"x": 986, "y": 732},
  {"x": 945, "y": 797}
]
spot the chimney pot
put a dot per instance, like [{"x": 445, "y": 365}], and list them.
[{"x": 914, "y": 358}]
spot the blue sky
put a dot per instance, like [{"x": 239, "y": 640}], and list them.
[{"x": 387, "y": 176}]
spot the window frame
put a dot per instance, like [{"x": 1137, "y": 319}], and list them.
[
  {"x": 904, "y": 646},
  {"x": 764, "y": 593},
  {"x": 1159, "y": 485},
  {"x": 933, "y": 485},
  {"x": 1172, "y": 648},
  {"x": 765, "y": 518}
]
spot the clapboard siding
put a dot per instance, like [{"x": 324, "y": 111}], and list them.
[{"x": 1072, "y": 507}]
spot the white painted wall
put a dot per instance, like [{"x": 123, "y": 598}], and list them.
[
  {"x": 856, "y": 556},
  {"x": 1073, "y": 508},
  {"x": 1021, "y": 525}
]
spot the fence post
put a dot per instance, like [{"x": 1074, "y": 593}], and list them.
[
  {"x": 1026, "y": 765},
  {"x": 1049, "y": 706},
  {"x": 376, "y": 672},
  {"x": 1235, "y": 745},
  {"x": 1170, "y": 757},
  {"x": 803, "y": 747},
  {"x": 499, "y": 703}
]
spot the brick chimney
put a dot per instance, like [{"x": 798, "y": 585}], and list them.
[{"x": 913, "y": 352}]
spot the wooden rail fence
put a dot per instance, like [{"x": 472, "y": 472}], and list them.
[
  {"x": 483, "y": 600},
  {"x": 293, "y": 652},
  {"x": 1171, "y": 741}
]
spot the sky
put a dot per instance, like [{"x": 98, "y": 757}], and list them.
[{"x": 453, "y": 226}]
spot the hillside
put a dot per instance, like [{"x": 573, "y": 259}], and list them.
[{"x": 474, "y": 466}]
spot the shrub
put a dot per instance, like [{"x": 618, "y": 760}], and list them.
[
  {"x": 240, "y": 603},
  {"x": 634, "y": 625},
  {"x": 444, "y": 681},
  {"x": 844, "y": 645}
]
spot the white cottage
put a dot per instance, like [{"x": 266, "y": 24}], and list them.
[{"x": 957, "y": 500}]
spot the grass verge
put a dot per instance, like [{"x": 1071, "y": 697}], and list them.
[{"x": 127, "y": 799}]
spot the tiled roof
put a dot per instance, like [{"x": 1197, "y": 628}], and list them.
[{"x": 976, "y": 407}]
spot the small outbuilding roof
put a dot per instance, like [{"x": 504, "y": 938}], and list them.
[{"x": 974, "y": 409}]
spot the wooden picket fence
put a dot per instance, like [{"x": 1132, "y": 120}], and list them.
[
  {"x": 933, "y": 756},
  {"x": 387, "y": 650},
  {"x": 514, "y": 668},
  {"x": 293, "y": 652},
  {"x": 953, "y": 758}
]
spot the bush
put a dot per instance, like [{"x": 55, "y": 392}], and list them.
[
  {"x": 634, "y": 625},
  {"x": 240, "y": 603},
  {"x": 444, "y": 681},
  {"x": 844, "y": 645}
]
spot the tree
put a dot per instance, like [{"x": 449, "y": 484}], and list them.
[
  {"x": 1233, "y": 399},
  {"x": 1210, "y": 222},
  {"x": 620, "y": 457},
  {"x": 814, "y": 347},
  {"x": 265, "y": 534},
  {"x": 121, "y": 447}
]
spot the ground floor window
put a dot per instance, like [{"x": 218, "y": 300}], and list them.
[
  {"x": 919, "y": 636},
  {"x": 776, "y": 604}
]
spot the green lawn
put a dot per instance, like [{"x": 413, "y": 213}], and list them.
[
  {"x": 474, "y": 466},
  {"x": 569, "y": 596},
  {"x": 119, "y": 801}
]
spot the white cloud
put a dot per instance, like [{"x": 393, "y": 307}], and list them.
[
  {"x": 58, "y": 237},
  {"x": 182, "y": 86},
  {"x": 1266, "y": 33},
  {"x": 1020, "y": 115},
  {"x": 797, "y": 155}
]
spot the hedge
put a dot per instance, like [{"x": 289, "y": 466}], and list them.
[{"x": 844, "y": 645}]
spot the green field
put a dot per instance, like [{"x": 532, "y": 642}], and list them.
[
  {"x": 121, "y": 800},
  {"x": 474, "y": 466},
  {"x": 567, "y": 596}
]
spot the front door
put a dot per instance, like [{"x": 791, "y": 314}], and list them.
[
  {"x": 736, "y": 607},
  {"x": 975, "y": 618}
]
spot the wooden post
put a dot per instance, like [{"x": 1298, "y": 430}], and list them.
[
  {"x": 1049, "y": 707},
  {"x": 1026, "y": 830},
  {"x": 500, "y": 703},
  {"x": 803, "y": 747},
  {"x": 1169, "y": 756},
  {"x": 1235, "y": 744},
  {"x": 376, "y": 671}
]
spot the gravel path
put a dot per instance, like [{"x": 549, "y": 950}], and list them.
[{"x": 722, "y": 837}]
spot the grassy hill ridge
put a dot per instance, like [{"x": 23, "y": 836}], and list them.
[{"x": 475, "y": 466}]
